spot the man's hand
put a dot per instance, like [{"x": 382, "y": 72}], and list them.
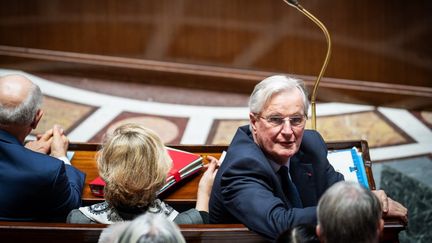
[
  {"x": 382, "y": 196},
  {"x": 59, "y": 143},
  {"x": 395, "y": 209},
  {"x": 390, "y": 207},
  {"x": 42, "y": 144}
]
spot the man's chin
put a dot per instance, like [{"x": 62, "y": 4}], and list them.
[
  {"x": 287, "y": 154},
  {"x": 291, "y": 150}
]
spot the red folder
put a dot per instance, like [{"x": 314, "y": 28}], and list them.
[{"x": 184, "y": 165}]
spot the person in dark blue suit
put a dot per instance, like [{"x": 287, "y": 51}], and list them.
[
  {"x": 275, "y": 171},
  {"x": 37, "y": 181}
]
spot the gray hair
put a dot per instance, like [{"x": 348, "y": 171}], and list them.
[
  {"x": 151, "y": 228},
  {"x": 24, "y": 113},
  {"x": 272, "y": 85},
  {"x": 348, "y": 212}
]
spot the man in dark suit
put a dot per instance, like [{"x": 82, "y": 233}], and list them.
[
  {"x": 275, "y": 172},
  {"x": 34, "y": 186}
]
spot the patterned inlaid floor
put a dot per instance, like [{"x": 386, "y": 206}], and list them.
[{"x": 87, "y": 116}]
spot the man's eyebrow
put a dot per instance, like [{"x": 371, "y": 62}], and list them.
[
  {"x": 280, "y": 115},
  {"x": 275, "y": 113}
]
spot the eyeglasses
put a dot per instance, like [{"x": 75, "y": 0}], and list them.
[{"x": 295, "y": 121}]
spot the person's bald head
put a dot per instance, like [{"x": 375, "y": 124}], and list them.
[
  {"x": 13, "y": 90},
  {"x": 20, "y": 100}
]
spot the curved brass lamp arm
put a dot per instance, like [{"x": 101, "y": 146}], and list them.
[{"x": 296, "y": 5}]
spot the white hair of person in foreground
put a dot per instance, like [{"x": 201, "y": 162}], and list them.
[{"x": 148, "y": 228}]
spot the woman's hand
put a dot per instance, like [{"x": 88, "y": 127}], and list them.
[{"x": 206, "y": 183}]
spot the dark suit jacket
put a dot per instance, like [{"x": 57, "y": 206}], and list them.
[
  {"x": 247, "y": 190},
  {"x": 35, "y": 186}
]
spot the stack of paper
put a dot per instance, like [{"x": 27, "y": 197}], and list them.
[{"x": 350, "y": 164}]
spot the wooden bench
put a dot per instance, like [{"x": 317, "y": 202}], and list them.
[{"x": 181, "y": 197}]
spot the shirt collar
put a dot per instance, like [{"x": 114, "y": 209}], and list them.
[{"x": 277, "y": 166}]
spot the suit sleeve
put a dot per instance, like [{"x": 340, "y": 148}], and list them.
[
  {"x": 191, "y": 216},
  {"x": 249, "y": 196},
  {"x": 66, "y": 190}
]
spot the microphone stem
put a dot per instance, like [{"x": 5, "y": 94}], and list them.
[{"x": 326, "y": 60}]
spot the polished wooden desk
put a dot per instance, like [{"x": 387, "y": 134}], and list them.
[{"x": 184, "y": 195}]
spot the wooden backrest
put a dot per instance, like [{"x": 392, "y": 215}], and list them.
[
  {"x": 186, "y": 192},
  {"x": 34, "y": 232}
]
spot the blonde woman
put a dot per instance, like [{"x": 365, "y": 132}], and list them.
[{"x": 134, "y": 163}]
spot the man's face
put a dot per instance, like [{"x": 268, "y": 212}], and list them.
[{"x": 280, "y": 139}]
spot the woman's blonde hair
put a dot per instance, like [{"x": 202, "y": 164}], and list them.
[{"x": 134, "y": 163}]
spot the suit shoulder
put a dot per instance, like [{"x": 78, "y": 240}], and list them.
[
  {"x": 312, "y": 133},
  {"x": 312, "y": 136},
  {"x": 312, "y": 140}
]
